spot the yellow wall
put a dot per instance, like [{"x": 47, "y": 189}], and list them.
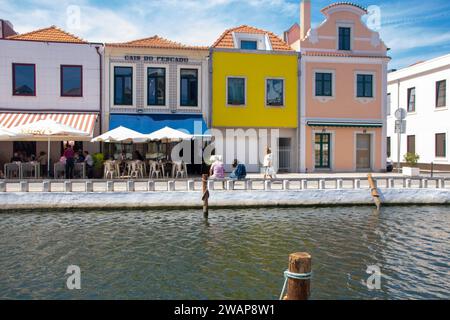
[{"x": 256, "y": 67}]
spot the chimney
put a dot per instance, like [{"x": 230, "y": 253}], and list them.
[
  {"x": 6, "y": 29},
  {"x": 305, "y": 18}
]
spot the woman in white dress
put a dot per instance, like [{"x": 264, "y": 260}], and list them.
[{"x": 269, "y": 171}]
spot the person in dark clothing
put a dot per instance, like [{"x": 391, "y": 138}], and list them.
[
  {"x": 239, "y": 170},
  {"x": 69, "y": 154},
  {"x": 137, "y": 156},
  {"x": 16, "y": 158}
]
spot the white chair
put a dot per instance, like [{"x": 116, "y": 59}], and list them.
[
  {"x": 59, "y": 170},
  {"x": 110, "y": 169},
  {"x": 156, "y": 170},
  {"x": 180, "y": 169}
]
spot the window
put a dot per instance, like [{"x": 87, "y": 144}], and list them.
[
  {"x": 324, "y": 84},
  {"x": 388, "y": 147},
  {"x": 411, "y": 99},
  {"x": 364, "y": 86},
  {"x": 236, "y": 91},
  {"x": 440, "y": 94},
  {"x": 344, "y": 38},
  {"x": 275, "y": 92},
  {"x": 156, "y": 86},
  {"x": 411, "y": 144},
  {"x": 189, "y": 87},
  {"x": 388, "y": 104},
  {"x": 71, "y": 81},
  {"x": 24, "y": 79},
  {"x": 440, "y": 145},
  {"x": 249, "y": 45},
  {"x": 123, "y": 86}
]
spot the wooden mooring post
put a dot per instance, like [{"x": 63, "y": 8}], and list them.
[
  {"x": 374, "y": 191},
  {"x": 298, "y": 276},
  {"x": 205, "y": 195}
]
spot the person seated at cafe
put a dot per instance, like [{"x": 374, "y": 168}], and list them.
[
  {"x": 217, "y": 170},
  {"x": 79, "y": 157},
  {"x": 137, "y": 156},
  {"x": 239, "y": 170},
  {"x": 89, "y": 164},
  {"x": 16, "y": 157}
]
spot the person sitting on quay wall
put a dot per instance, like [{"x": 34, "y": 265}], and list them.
[
  {"x": 239, "y": 170},
  {"x": 217, "y": 170}
]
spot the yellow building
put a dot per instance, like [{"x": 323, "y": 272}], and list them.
[{"x": 254, "y": 86}]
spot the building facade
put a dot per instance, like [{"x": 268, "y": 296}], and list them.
[
  {"x": 49, "y": 74},
  {"x": 421, "y": 89},
  {"x": 255, "y": 98},
  {"x": 342, "y": 91}
]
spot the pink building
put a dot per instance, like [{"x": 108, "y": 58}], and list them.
[{"x": 343, "y": 91}]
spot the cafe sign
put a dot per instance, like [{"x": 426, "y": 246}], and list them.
[{"x": 156, "y": 59}]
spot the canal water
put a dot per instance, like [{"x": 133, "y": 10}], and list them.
[{"x": 236, "y": 254}]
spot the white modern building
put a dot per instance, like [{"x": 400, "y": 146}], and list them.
[
  {"x": 48, "y": 74},
  {"x": 422, "y": 89}
]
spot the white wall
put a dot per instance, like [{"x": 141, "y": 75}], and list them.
[
  {"x": 48, "y": 58},
  {"x": 426, "y": 121}
]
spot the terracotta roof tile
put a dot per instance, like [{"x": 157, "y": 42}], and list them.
[
  {"x": 155, "y": 42},
  {"x": 226, "y": 39},
  {"x": 50, "y": 34}
]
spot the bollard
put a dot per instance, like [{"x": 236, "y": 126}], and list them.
[
  {"x": 89, "y": 186},
  {"x": 249, "y": 185},
  {"x": 190, "y": 185},
  {"x": 109, "y": 186},
  {"x": 23, "y": 186},
  {"x": 210, "y": 184},
  {"x": 321, "y": 184},
  {"x": 230, "y": 185},
  {"x": 67, "y": 186},
  {"x": 267, "y": 185},
  {"x": 205, "y": 195},
  {"x": 2, "y": 186},
  {"x": 339, "y": 184},
  {"x": 46, "y": 186},
  {"x": 356, "y": 184},
  {"x": 151, "y": 186},
  {"x": 130, "y": 186},
  {"x": 423, "y": 183},
  {"x": 286, "y": 184},
  {"x": 408, "y": 183},
  {"x": 391, "y": 183},
  {"x": 171, "y": 185},
  {"x": 441, "y": 184},
  {"x": 299, "y": 277},
  {"x": 304, "y": 184}
]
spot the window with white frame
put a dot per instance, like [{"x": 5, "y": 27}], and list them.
[{"x": 275, "y": 92}]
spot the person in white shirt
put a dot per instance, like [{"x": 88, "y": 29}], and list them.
[
  {"x": 269, "y": 171},
  {"x": 89, "y": 164}
]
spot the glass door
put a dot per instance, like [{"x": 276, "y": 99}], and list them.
[
  {"x": 322, "y": 150},
  {"x": 363, "y": 151}
]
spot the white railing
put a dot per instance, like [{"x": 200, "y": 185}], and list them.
[{"x": 218, "y": 185}]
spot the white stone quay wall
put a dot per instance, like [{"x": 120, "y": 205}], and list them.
[{"x": 182, "y": 199}]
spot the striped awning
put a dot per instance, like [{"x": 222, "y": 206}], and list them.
[{"x": 81, "y": 121}]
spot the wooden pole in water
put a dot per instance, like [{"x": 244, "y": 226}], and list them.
[
  {"x": 374, "y": 191},
  {"x": 299, "y": 289},
  {"x": 205, "y": 195}
]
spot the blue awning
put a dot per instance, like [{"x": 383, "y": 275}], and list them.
[{"x": 146, "y": 123}]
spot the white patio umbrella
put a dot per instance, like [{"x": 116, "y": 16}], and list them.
[
  {"x": 168, "y": 134},
  {"x": 121, "y": 135},
  {"x": 6, "y": 134},
  {"x": 49, "y": 130}
]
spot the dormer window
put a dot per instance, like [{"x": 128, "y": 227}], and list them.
[
  {"x": 249, "y": 45},
  {"x": 345, "y": 38}
]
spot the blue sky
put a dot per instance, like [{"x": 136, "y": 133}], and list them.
[{"x": 413, "y": 29}]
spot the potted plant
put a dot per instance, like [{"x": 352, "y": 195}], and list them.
[
  {"x": 411, "y": 170},
  {"x": 99, "y": 159}
]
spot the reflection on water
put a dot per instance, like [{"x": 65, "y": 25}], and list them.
[{"x": 238, "y": 254}]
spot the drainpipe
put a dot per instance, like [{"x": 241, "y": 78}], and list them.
[{"x": 97, "y": 48}]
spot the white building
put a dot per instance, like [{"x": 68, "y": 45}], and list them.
[
  {"x": 422, "y": 90},
  {"x": 49, "y": 73}
]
